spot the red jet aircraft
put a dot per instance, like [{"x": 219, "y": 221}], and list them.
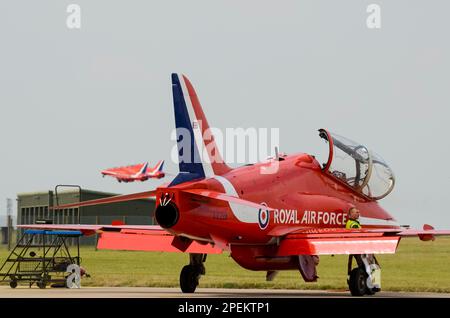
[
  {"x": 138, "y": 172},
  {"x": 267, "y": 221}
]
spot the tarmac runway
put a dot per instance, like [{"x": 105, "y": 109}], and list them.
[{"x": 147, "y": 292}]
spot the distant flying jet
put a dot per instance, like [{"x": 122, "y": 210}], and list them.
[{"x": 138, "y": 172}]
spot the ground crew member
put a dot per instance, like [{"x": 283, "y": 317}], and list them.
[
  {"x": 353, "y": 223},
  {"x": 353, "y": 216}
]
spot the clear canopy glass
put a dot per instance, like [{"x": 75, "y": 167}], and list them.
[{"x": 358, "y": 167}]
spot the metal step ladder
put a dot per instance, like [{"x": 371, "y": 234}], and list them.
[{"x": 42, "y": 257}]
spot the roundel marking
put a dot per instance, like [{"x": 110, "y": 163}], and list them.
[{"x": 263, "y": 217}]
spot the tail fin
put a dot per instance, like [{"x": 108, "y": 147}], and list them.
[
  {"x": 144, "y": 168},
  {"x": 159, "y": 166},
  {"x": 198, "y": 155}
]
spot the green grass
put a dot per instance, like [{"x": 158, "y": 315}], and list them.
[{"x": 417, "y": 266}]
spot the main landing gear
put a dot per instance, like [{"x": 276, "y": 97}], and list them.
[
  {"x": 190, "y": 274},
  {"x": 364, "y": 279}
]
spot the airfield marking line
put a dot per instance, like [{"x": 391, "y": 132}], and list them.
[{"x": 150, "y": 292}]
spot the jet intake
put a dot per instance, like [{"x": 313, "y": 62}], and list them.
[{"x": 167, "y": 215}]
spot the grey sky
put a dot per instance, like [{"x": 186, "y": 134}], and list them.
[{"x": 74, "y": 102}]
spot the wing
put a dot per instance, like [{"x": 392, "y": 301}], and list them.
[
  {"x": 134, "y": 238},
  {"x": 427, "y": 234},
  {"x": 307, "y": 241},
  {"x": 110, "y": 173},
  {"x": 118, "y": 176},
  {"x": 337, "y": 241}
]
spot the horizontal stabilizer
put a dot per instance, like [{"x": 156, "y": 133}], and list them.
[
  {"x": 114, "y": 199},
  {"x": 89, "y": 229},
  {"x": 130, "y": 237},
  {"x": 142, "y": 241}
]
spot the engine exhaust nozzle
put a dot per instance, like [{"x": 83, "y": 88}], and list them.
[{"x": 167, "y": 215}]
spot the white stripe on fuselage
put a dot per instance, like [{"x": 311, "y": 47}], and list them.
[
  {"x": 207, "y": 168},
  {"x": 250, "y": 215},
  {"x": 241, "y": 212}
]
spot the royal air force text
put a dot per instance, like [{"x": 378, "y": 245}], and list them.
[{"x": 284, "y": 216}]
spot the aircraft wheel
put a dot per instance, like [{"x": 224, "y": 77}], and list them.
[
  {"x": 371, "y": 291},
  {"x": 189, "y": 279},
  {"x": 357, "y": 283},
  {"x": 41, "y": 284},
  {"x": 13, "y": 284}
]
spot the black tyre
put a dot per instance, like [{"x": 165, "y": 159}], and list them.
[
  {"x": 189, "y": 279},
  {"x": 357, "y": 283},
  {"x": 13, "y": 284},
  {"x": 41, "y": 284},
  {"x": 370, "y": 291}
]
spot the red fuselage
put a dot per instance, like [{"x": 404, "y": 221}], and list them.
[{"x": 300, "y": 192}]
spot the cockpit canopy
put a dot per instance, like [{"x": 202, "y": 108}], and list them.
[{"x": 358, "y": 167}]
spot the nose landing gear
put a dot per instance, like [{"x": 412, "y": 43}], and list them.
[
  {"x": 190, "y": 274},
  {"x": 364, "y": 279},
  {"x": 357, "y": 282}
]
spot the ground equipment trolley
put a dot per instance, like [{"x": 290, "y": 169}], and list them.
[{"x": 43, "y": 257}]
